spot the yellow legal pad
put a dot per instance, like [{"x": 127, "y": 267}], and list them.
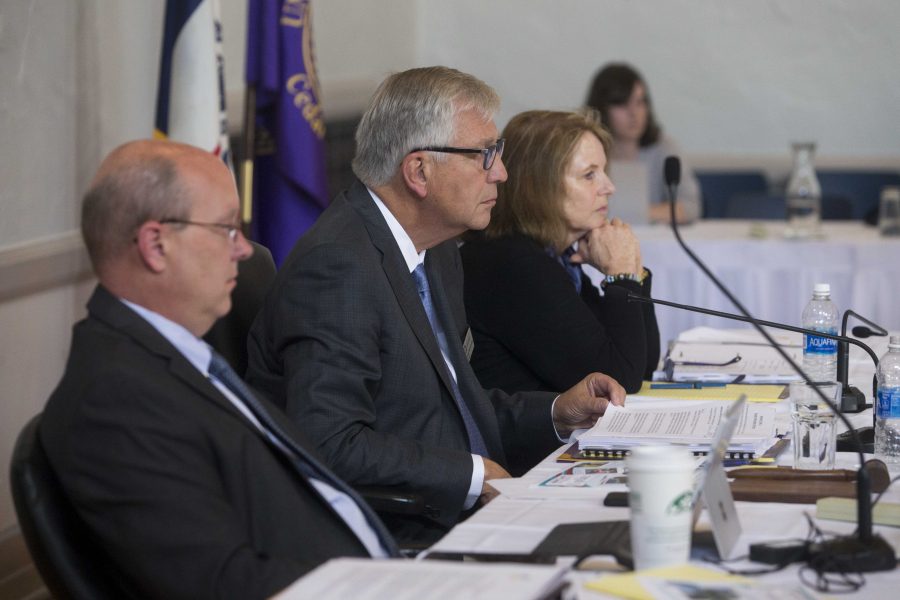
[
  {"x": 628, "y": 586},
  {"x": 755, "y": 393}
]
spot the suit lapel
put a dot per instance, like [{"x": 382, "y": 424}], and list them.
[
  {"x": 109, "y": 309},
  {"x": 400, "y": 279}
]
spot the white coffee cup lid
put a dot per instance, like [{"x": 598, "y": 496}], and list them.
[{"x": 659, "y": 458}]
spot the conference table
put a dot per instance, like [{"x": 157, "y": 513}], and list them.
[
  {"x": 771, "y": 275},
  {"x": 518, "y": 520},
  {"x": 515, "y": 523}
]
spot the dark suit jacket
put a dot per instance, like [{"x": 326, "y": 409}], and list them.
[
  {"x": 184, "y": 494},
  {"x": 533, "y": 330},
  {"x": 344, "y": 344}
]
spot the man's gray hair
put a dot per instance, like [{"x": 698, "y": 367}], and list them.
[
  {"x": 413, "y": 109},
  {"x": 133, "y": 188}
]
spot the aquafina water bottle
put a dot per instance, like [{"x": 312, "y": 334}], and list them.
[
  {"x": 887, "y": 406},
  {"x": 819, "y": 353}
]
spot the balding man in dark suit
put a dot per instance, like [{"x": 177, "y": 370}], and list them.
[{"x": 194, "y": 487}]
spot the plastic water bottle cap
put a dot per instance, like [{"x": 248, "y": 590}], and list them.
[
  {"x": 894, "y": 341},
  {"x": 822, "y": 288}
]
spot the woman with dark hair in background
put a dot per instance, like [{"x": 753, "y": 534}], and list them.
[
  {"x": 537, "y": 321},
  {"x": 620, "y": 95}
]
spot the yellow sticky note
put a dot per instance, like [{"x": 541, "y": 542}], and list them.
[{"x": 628, "y": 586}]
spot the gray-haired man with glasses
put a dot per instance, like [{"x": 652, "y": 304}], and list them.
[{"x": 363, "y": 339}]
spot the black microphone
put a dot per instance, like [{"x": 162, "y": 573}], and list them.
[
  {"x": 672, "y": 171},
  {"x": 861, "y": 331},
  {"x": 843, "y": 342},
  {"x": 866, "y": 551},
  {"x": 873, "y": 329}
]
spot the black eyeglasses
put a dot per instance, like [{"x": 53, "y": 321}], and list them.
[
  {"x": 690, "y": 363},
  {"x": 489, "y": 153},
  {"x": 231, "y": 229},
  {"x": 670, "y": 364}
]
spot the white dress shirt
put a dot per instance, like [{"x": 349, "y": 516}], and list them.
[{"x": 414, "y": 259}]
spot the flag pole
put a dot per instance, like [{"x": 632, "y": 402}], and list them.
[{"x": 247, "y": 158}]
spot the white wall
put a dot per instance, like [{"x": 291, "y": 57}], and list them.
[
  {"x": 37, "y": 119},
  {"x": 38, "y": 166},
  {"x": 726, "y": 77}
]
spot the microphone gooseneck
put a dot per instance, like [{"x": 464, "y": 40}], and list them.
[
  {"x": 865, "y": 552},
  {"x": 850, "y": 396}
]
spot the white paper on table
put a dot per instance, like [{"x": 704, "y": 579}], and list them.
[
  {"x": 587, "y": 475},
  {"x": 739, "y": 336},
  {"x": 518, "y": 487},
  {"x": 517, "y": 525},
  {"x": 682, "y": 423},
  {"x": 363, "y": 579}
]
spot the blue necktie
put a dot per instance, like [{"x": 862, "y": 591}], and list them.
[
  {"x": 572, "y": 270},
  {"x": 296, "y": 455},
  {"x": 476, "y": 442}
]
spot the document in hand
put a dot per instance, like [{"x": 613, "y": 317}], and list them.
[{"x": 622, "y": 428}]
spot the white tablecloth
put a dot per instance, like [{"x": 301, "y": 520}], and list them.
[{"x": 771, "y": 275}]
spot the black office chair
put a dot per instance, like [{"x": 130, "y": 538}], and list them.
[
  {"x": 773, "y": 207},
  {"x": 70, "y": 563},
  {"x": 862, "y": 188},
  {"x": 756, "y": 206},
  {"x": 229, "y": 335},
  {"x": 719, "y": 187},
  {"x": 836, "y": 208}
]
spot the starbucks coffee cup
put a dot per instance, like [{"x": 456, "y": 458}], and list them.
[{"x": 660, "y": 492}]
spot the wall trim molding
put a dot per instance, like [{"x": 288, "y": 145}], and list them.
[{"x": 38, "y": 265}]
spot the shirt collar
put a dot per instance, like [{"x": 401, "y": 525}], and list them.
[
  {"x": 193, "y": 348},
  {"x": 407, "y": 247}
]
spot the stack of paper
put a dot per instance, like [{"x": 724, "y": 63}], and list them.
[
  {"x": 363, "y": 579},
  {"x": 693, "y": 426},
  {"x": 730, "y": 362}
]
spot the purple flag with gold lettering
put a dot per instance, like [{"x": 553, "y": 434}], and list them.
[{"x": 289, "y": 172}]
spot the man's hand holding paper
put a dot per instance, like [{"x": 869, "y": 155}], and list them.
[{"x": 585, "y": 402}]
